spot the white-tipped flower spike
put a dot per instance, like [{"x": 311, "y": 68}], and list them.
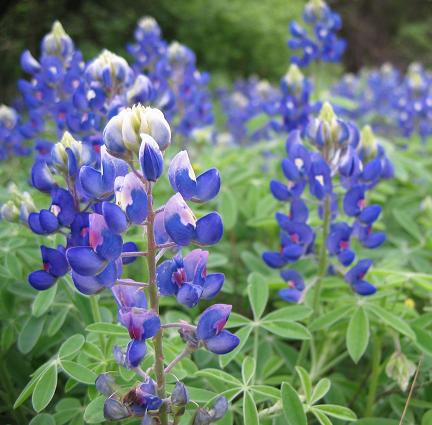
[
  {"x": 57, "y": 42},
  {"x": 141, "y": 91},
  {"x": 109, "y": 70},
  {"x": 368, "y": 141},
  {"x": 123, "y": 132},
  {"x": 8, "y": 117},
  {"x": 294, "y": 77},
  {"x": 60, "y": 154}
]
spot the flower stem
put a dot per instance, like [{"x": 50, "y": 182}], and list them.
[
  {"x": 187, "y": 350},
  {"x": 322, "y": 259},
  {"x": 373, "y": 382},
  {"x": 322, "y": 269},
  {"x": 154, "y": 304}
]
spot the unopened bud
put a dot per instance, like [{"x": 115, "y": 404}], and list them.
[
  {"x": 400, "y": 368},
  {"x": 180, "y": 395}
]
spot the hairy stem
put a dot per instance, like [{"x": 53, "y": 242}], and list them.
[
  {"x": 154, "y": 304},
  {"x": 373, "y": 382},
  {"x": 187, "y": 350}
]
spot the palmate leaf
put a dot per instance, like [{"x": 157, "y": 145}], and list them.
[
  {"x": 306, "y": 383},
  {"x": 43, "y": 419},
  {"x": 290, "y": 330},
  {"x": 322, "y": 418},
  {"x": 330, "y": 318},
  {"x": 107, "y": 329},
  {"x": 93, "y": 413}
]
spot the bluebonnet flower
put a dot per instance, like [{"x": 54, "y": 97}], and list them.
[
  {"x": 187, "y": 278},
  {"x": 319, "y": 42},
  {"x": 294, "y": 106},
  {"x": 339, "y": 165},
  {"x": 94, "y": 203},
  {"x": 11, "y": 134},
  {"x": 210, "y": 329},
  {"x": 179, "y": 88}
]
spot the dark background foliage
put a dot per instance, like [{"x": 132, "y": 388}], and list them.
[{"x": 230, "y": 37}]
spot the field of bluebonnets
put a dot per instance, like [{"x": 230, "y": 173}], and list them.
[{"x": 179, "y": 253}]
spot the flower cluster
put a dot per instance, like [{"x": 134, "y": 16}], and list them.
[
  {"x": 246, "y": 101},
  {"x": 180, "y": 89},
  {"x": 294, "y": 106},
  {"x": 319, "y": 42},
  {"x": 340, "y": 166},
  {"x": 393, "y": 103},
  {"x": 94, "y": 209}
]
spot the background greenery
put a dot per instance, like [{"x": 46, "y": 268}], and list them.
[{"x": 230, "y": 37}]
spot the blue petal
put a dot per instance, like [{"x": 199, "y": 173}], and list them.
[
  {"x": 364, "y": 288},
  {"x": 164, "y": 278},
  {"x": 85, "y": 261},
  {"x": 212, "y": 320},
  {"x": 209, "y": 229},
  {"x": 182, "y": 176},
  {"x": 137, "y": 211},
  {"x": 129, "y": 247},
  {"x": 34, "y": 224},
  {"x": 87, "y": 285},
  {"x": 292, "y": 295},
  {"x": 56, "y": 261},
  {"x": 370, "y": 214},
  {"x": 48, "y": 221},
  {"x": 273, "y": 259},
  {"x": 41, "y": 176},
  {"x": 150, "y": 157},
  {"x": 41, "y": 280},
  {"x": 208, "y": 185},
  {"x": 346, "y": 257},
  {"x": 223, "y": 343},
  {"x": 114, "y": 410},
  {"x": 135, "y": 353},
  {"x": 111, "y": 247},
  {"x": 212, "y": 285},
  {"x": 189, "y": 294},
  {"x": 114, "y": 217},
  {"x": 280, "y": 191}
]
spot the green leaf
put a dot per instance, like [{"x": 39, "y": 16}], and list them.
[
  {"x": 243, "y": 334},
  {"x": 427, "y": 418},
  {"x": 94, "y": 411},
  {"x": 219, "y": 375},
  {"x": 235, "y": 320},
  {"x": 258, "y": 293},
  {"x": 306, "y": 383},
  {"x": 392, "y": 320},
  {"x": 43, "y": 301},
  {"x": 93, "y": 351},
  {"x": 338, "y": 412},
  {"x": 357, "y": 336},
  {"x": 423, "y": 340},
  {"x": 320, "y": 390},
  {"x": 57, "y": 321},
  {"x": 292, "y": 406},
  {"x": 287, "y": 330},
  {"x": 71, "y": 346},
  {"x": 78, "y": 372},
  {"x": 250, "y": 413},
  {"x": 322, "y": 418},
  {"x": 406, "y": 220},
  {"x": 248, "y": 369},
  {"x": 288, "y": 314},
  {"x": 28, "y": 389},
  {"x": 228, "y": 209},
  {"x": 30, "y": 334},
  {"x": 266, "y": 390},
  {"x": 376, "y": 421},
  {"x": 330, "y": 318},
  {"x": 45, "y": 388},
  {"x": 43, "y": 419},
  {"x": 107, "y": 329}
]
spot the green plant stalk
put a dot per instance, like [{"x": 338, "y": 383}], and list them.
[
  {"x": 322, "y": 269},
  {"x": 154, "y": 304},
  {"x": 373, "y": 385},
  {"x": 255, "y": 349},
  {"x": 97, "y": 317}
]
